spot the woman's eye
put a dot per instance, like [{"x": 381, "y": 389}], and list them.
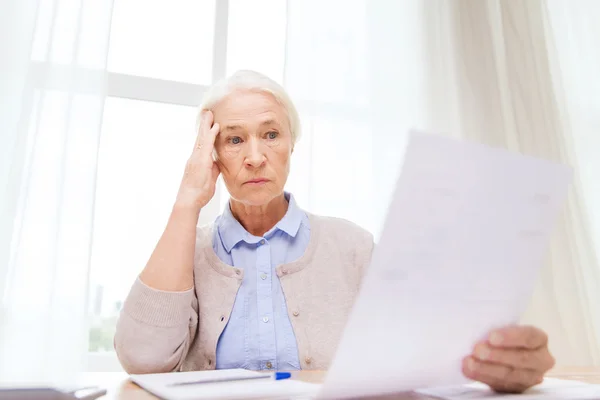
[
  {"x": 236, "y": 140},
  {"x": 272, "y": 135}
]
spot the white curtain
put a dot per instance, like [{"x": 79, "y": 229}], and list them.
[
  {"x": 53, "y": 84},
  {"x": 514, "y": 74},
  {"x": 510, "y": 92},
  {"x": 575, "y": 282}
]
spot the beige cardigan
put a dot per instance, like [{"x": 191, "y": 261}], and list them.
[{"x": 162, "y": 331}]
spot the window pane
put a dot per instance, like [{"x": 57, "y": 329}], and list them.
[
  {"x": 331, "y": 167},
  {"x": 327, "y": 63},
  {"x": 143, "y": 151},
  {"x": 170, "y": 40},
  {"x": 256, "y": 37}
]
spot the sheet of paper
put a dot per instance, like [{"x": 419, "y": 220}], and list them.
[
  {"x": 465, "y": 234},
  {"x": 555, "y": 389},
  {"x": 159, "y": 385}
]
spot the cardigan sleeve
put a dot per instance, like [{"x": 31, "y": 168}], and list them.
[
  {"x": 155, "y": 329},
  {"x": 364, "y": 251}
]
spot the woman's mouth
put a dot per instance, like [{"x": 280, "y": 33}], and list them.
[{"x": 257, "y": 181}]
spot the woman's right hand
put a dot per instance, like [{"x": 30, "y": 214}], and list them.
[{"x": 201, "y": 171}]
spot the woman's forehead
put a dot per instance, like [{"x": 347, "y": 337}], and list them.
[
  {"x": 232, "y": 125},
  {"x": 249, "y": 107}
]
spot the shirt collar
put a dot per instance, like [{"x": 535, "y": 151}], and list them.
[{"x": 232, "y": 232}]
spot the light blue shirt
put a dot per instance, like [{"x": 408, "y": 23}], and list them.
[{"x": 259, "y": 334}]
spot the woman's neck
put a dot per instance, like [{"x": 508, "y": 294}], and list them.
[{"x": 258, "y": 220}]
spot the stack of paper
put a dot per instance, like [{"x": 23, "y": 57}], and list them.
[
  {"x": 161, "y": 386},
  {"x": 555, "y": 389}
]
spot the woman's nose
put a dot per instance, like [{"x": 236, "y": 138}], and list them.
[{"x": 255, "y": 157}]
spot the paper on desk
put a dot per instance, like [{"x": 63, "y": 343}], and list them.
[
  {"x": 158, "y": 384},
  {"x": 465, "y": 234},
  {"x": 555, "y": 389}
]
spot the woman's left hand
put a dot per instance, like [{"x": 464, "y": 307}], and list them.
[{"x": 511, "y": 360}]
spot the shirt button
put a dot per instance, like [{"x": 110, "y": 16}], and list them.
[
  {"x": 308, "y": 360},
  {"x": 296, "y": 313},
  {"x": 269, "y": 365},
  {"x": 263, "y": 276},
  {"x": 262, "y": 241},
  {"x": 265, "y": 319},
  {"x": 237, "y": 272}
]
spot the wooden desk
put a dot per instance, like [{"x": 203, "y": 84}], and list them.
[{"x": 120, "y": 388}]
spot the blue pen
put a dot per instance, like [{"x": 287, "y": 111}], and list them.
[
  {"x": 281, "y": 375},
  {"x": 276, "y": 376}
]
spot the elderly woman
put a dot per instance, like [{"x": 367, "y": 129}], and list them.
[{"x": 267, "y": 285}]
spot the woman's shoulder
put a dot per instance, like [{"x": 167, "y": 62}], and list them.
[
  {"x": 346, "y": 236},
  {"x": 339, "y": 227},
  {"x": 204, "y": 234}
]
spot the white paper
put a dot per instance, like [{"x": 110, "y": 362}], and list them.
[
  {"x": 555, "y": 389},
  {"x": 466, "y": 232},
  {"x": 158, "y": 384}
]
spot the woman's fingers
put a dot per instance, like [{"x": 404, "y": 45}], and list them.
[
  {"x": 212, "y": 135},
  {"x": 537, "y": 359},
  {"x": 200, "y": 128},
  {"x": 207, "y": 134},
  {"x": 206, "y": 123},
  {"x": 523, "y": 336},
  {"x": 201, "y": 171},
  {"x": 501, "y": 378},
  {"x": 512, "y": 359}
]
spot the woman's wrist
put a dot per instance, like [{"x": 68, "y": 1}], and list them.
[
  {"x": 186, "y": 210},
  {"x": 193, "y": 199}
]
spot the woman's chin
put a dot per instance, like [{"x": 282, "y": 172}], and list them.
[{"x": 256, "y": 196}]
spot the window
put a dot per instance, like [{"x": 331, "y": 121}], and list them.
[
  {"x": 162, "y": 57},
  {"x": 143, "y": 149},
  {"x": 163, "y": 40}
]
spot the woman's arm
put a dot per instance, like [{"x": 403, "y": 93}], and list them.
[
  {"x": 160, "y": 315},
  {"x": 155, "y": 329},
  {"x": 171, "y": 265},
  {"x": 158, "y": 320}
]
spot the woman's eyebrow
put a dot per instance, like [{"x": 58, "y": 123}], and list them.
[
  {"x": 269, "y": 121},
  {"x": 232, "y": 127},
  {"x": 236, "y": 127}
]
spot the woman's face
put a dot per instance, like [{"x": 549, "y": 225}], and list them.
[{"x": 253, "y": 147}]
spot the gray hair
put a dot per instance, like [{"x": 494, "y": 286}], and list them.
[{"x": 253, "y": 81}]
